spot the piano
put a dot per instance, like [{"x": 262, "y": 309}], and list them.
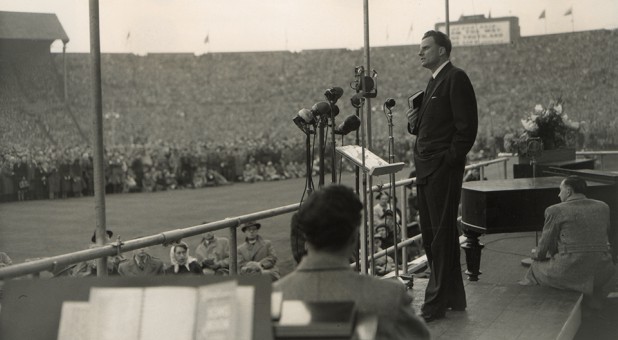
[{"x": 518, "y": 205}]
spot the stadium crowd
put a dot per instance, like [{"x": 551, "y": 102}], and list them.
[{"x": 183, "y": 121}]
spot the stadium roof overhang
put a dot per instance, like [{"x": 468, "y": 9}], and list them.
[{"x": 31, "y": 26}]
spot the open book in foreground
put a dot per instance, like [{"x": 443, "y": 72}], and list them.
[{"x": 218, "y": 311}]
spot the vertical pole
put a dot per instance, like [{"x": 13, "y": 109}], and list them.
[
  {"x": 97, "y": 108},
  {"x": 64, "y": 72},
  {"x": 233, "y": 251},
  {"x": 447, "y": 21},
  {"x": 367, "y": 71},
  {"x": 404, "y": 227},
  {"x": 334, "y": 145},
  {"x": 504, "y": 163},
  {"x": 365, "y": 220}
]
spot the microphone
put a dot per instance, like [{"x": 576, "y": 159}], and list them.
[
  {"x": 333, "y": 94},
  {"x": 320, "y": 109},
  {"x": 324, "y": 109},
  {"x": 389, "y": 103},
  {"x": 307, "y": 116},
  {"x": 304, "y": 120},
  {"x": 351, "y": 123},
  {"x": 357, "y": 100}
]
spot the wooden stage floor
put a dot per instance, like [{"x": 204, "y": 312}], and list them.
[{"x": 499, "y": 308}]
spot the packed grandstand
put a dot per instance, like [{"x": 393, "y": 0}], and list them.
[{"x": 181, "y": 120}]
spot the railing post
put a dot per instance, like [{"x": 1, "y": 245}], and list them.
[
  {"x": 482, "y": 172},
  {"x": 505, "y": 172},
  {"x": 404, "y": 228},
  {"x": 233, "y": 250}
]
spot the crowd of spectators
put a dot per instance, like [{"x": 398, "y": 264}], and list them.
[
  {"x": 185, "y": 121},
  {"x": 52, "y": 172}
]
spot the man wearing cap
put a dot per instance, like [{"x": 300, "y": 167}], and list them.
[
  {"x": 330, "y": 219},
  {"x": 213, "y": 253},
  {"x": 257, "y": 249},
  {"x": 141, "y": 264},
  {"x": 89, "y": 268}
]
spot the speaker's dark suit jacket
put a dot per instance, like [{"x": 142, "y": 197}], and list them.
[
  {"x": 446, "y": 129},
  {"x": 447, "y": 122}
]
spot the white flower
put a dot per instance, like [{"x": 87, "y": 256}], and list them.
[
  {"x": 558, "y": 108},
  {"x": 573, "y": 125},
  {"x": 538, "y": 108}
]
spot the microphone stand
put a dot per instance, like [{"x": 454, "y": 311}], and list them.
[
  {"x": 309, "y": 164},
  {"x": 321, "y": 125},
  {"x": 391, "y": 159},
  {"x": 332, "y": 135}
]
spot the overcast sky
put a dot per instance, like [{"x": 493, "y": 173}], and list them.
[{"x": 199, "y": 26}]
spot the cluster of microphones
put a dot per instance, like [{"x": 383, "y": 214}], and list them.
[{"x": 322, "y": 111}]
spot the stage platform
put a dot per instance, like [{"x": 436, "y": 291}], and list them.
[{"x": 499, "y": 308}]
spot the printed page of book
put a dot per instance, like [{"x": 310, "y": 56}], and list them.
[
  {"x": 115, "y": 313},
  {"x": 74, "y": 320},
  {"x": 245, "y": 303},
  {"x": 217, "y": 311},
  {"x": 168, "y": 313}
]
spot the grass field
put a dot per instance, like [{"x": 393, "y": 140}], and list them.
[
  {"x": 44, "y": 228},
  {"x": 53, "y": 227}
]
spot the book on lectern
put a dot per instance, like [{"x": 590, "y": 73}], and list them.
[{"x": 372, "y": 164}]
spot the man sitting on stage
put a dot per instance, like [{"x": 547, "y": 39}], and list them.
[
  {"x": 573, "y": 252},
  {"x": 330, "y": 219}
]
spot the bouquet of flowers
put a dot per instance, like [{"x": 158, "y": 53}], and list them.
[{"x": 550, "y": 124}]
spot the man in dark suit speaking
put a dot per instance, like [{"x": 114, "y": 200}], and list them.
[{"x": 445, "y": 125}]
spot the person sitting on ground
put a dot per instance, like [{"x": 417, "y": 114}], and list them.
[
  {"x": 141, "y": 264},
  {"x": 182, "y": 263},
  {"x": 255, "y": 248},
  {"x": 330, "y": 219},
  {"x": 89, "y": 268},
  {"x": 383, "y": 264},
  {"x": 385, "y": 233},
  {"x": 5, "y": 260},
  {"x": 379, "y": 210},
  {"x": 573, "y": 252},
  {"x": 213, "y": 253}
]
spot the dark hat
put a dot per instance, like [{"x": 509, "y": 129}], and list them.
[
  {"x": 381, "y": 225},
  {"x": 250, "y": 224},
  {"x": 94, "y": 235}
]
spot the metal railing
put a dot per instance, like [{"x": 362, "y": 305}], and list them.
[
  {"x": 54, "y": 263},
  {"x": 601, "y": 155}
]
